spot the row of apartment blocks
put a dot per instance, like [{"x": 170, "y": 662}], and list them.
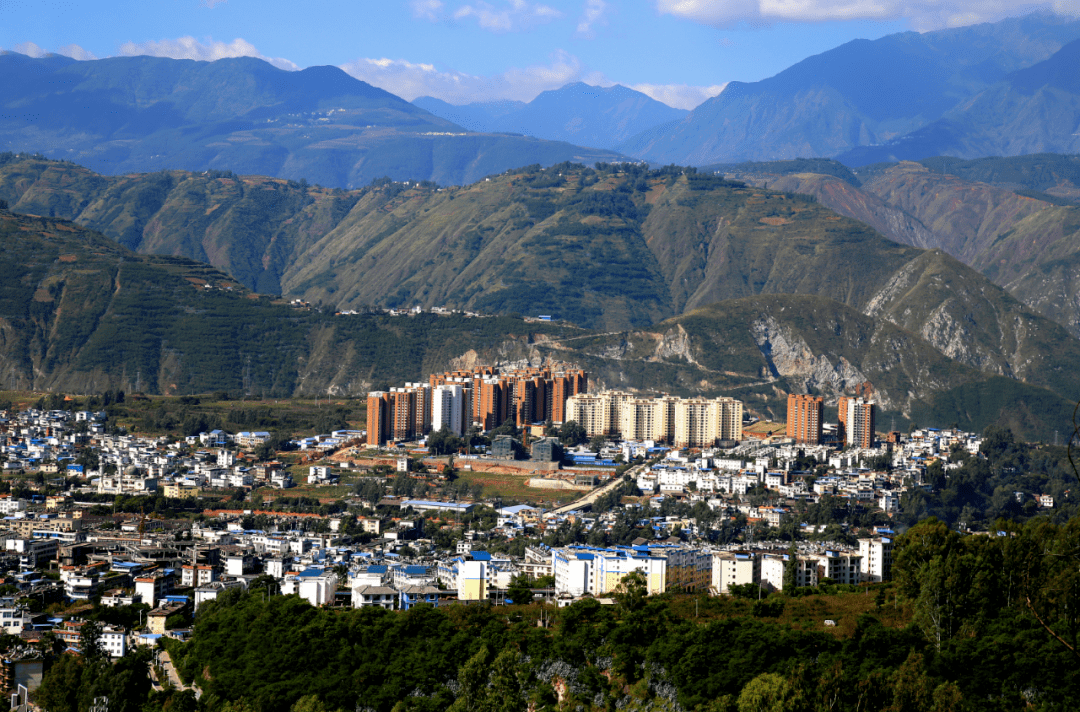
[
  {"x": 872, "y": 563},
  {"x": 684, "y": 422},
  {"x": 856, "y": 416},
  {"x": 585, "y": 570},
  {"x": 484, "y": 396}
]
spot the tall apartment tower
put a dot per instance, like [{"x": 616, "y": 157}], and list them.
[
  {"x": 448, "y": 408},
  {"x": 804, "y": 416},
  {"x": 857, "y": 421},
  {"x": 378, "y": 418},
  {"x": 877, "y": 555},
  {"x": 701, "y": 423}
]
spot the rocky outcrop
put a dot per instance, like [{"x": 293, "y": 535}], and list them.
[{"x": 789, "y": 356}]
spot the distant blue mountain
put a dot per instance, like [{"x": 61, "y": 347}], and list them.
[
  {"x": 1034, "y": 110},
  {"x": 577, "y": 113},
  {"x": 862, "y": 93},
  {"x": 143, "y": 114}
]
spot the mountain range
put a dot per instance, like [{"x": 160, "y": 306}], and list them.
[
  {"x": 81, "y": 313},
  {"x": 1005, "y": 88},
  {"x": 578, "y": 113},
  {"x": 141, "y": 114},
  {"x": 616, "y": 249},
  {"x": 992, "y": 89}
]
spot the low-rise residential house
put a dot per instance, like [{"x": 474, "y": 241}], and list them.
[
  {"x": 316, "y": 586},
  {"x": 375, "y": 596},
  {"x": 412, "y": 595},
  {"x": 734, "y": 568},
  {"x": 153, "y": 589},
  {"x": 197, "y": 575},
  {"x": 210, "y": 591}
]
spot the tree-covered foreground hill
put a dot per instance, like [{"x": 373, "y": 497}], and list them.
[{"x": 970, "y": 623}]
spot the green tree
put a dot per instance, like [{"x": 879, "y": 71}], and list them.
[
  {"x": 60, "y": 686},
  {"x": 472, "y": 683},
  {"x": 309, "y": 703},
  {"x": 90, "y": 641},
  {"x": 572, "y": 433},
  {"x": 520, "y": 589},
  {"x": 791, "y": 568},
  {"x": 768, "y": 692},
  {"x": 631, "y": 592}
]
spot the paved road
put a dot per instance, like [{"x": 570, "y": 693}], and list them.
[
  {"x": 170, "y": 670},
  {"x": 588, "y": 499}
]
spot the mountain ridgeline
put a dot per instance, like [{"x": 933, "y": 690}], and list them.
[
  {"x": 776, "y": 293},
  {"x": 577, "y": 113},
  {"x": 1016, "y": 219},
  {"x": 1003, "y": 88},
  {"x": 125, "y": 114}
]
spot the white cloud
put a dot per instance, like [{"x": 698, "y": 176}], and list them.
[
  {"x": 681, "y": 96},
  {"x": 410, "y": 80},
  {"x": 191, "y": 48},
  {"x": 212, "y": 3},
  {"x": 591, "y": 15},
  {"x": 30, "y": 49},
  {"x": 427, "y": 9},
  {"x": 509, "y": 16},
  {"x": 76, "y": 52},
  {"x": 922, "y": 14}
]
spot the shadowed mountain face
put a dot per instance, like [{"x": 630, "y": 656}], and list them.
[
  {"x": 577, "y": 113},
  {"x": 1034, "y": 110},
  {"x": 141, "y": 114},
  {"x": 860, "y": 94}
]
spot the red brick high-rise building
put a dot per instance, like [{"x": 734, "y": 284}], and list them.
[
  {"x": 804, "y": 418},
  {"x": 528, "y": 395},
  {"x": 379, "y": 411}
]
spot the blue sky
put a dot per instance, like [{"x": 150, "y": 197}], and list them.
[{"x": 678, "y": 51}]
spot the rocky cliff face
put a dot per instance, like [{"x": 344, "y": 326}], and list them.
[{"x": 788, "y": 356}]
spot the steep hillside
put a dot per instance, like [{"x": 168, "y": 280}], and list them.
[
  {"x": 126, "y": 114},
  {"x": 1047, "y": 176},
  {"x": 759, "y": 349},
  {"x": 80, "y": 313},
  {"x": 1022, "y": 243},
  {"x": 577, "y": 113},
  {"x": 1034, "y": 110},
  {"x": 251, "y": 227},
  {"x": 610, "y": 248},
  {"x": 862, "y": 93}
]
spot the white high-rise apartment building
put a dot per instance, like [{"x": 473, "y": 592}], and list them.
[
  {"x": 693, "y": 422},
  {"x": 876, "y": 555},
  {"x": 447, "y": 408}
]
